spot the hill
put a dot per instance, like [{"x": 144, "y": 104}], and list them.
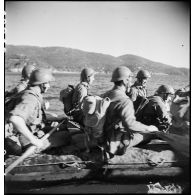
[{"x": 68, "y": 59}]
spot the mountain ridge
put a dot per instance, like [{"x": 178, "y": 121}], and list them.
[{"x": 73, "y": 60}]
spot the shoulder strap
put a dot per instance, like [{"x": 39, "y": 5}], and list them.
[{"x": 143, "y": 103}]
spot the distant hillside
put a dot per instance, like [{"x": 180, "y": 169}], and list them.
[
  {"x": 67, "y": 59},
  {"x": 135, "y": 62}
]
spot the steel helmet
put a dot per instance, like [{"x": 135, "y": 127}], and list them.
[
  {"x": 165, "y": 89},
  {"x": 86, "y": 72},
  {"x": 40, "y": 76},
  {"x": 27, "y": 70},
  {"x": 143, "y": 74},
  {"x": 121, "y": 73}
]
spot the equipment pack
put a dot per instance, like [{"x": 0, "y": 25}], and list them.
[
  {"x": 66, "y": 98},
  {"x": 94, "y": 109}
]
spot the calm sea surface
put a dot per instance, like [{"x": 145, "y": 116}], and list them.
[{"x": 101, "y": 84}]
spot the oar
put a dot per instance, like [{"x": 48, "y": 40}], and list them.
[{"x": 30, "y": 150}]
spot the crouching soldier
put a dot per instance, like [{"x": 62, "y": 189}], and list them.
[
  {"x": 24, "y": 118},
  {"x": 121, "y": 128},
  {"x": 155, "y": 112}
]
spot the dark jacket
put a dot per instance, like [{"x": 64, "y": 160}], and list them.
[{"x": 155, "y": 113}]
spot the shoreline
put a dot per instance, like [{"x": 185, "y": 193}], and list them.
[
  {"x": 54, "y": 72},
  {"x": 74, "y": 72}
]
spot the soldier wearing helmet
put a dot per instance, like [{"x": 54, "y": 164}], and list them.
[
  {"x": 180, "y": 111},
  {"x": 138, "y": 90},
  {"x": 23, "y": 83},
  {"x": 26, "y": 116},
  {"x": 155, "y": 112},
  {"x": 81, "y": 91},
  {"x": 179, "y": 132},
  {"x": 121, "y": 128}
]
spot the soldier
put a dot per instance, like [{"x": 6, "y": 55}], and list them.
[
  {"x": 155, "y": 111},
  {"x": 179, "y": 132},
  {"x": 25, "y": 116},
  {"x": 138, "y": 90},
  {"x": 23, "y": 83},
  {"x": 121, "y": 128},
  {"x": 180, "y": 111},
  {"x": 81, "y": 91}
]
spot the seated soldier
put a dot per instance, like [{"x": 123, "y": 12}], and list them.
[
  {"x": 121, "y": 130},
  {"x": 155, "y": 111},
  {"x": 179, "y": 132},
  {"x": 24, "y": 117},
  {"x": 81, "y": 91},
  {"x": 138, "y": 91},
  {"x": 180, "y": 111}
]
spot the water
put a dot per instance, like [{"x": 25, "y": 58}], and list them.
[{"x": 101, "y": 84}]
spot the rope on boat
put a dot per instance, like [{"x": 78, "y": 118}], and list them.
[{"x": 74, "y": 163}]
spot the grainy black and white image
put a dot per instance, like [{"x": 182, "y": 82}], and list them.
[{"x": 97, "y": 97}]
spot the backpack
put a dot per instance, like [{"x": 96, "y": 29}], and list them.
[
  {"x": 66, "y": 98},
  {"x": 10, "y": 102},
  {"x": 94, "y": 110}
]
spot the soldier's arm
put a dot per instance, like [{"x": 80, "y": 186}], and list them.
[
  {"x": 22, "y": 115},
  {"x": 129, "y": 120},
  {"x": 20, "y": 125},
  {"x": 82, "y": 92}
]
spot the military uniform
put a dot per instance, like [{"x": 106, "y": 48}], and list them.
[
  {"x": 136, "y": 94},
  {"x": 27, "y": 106},
  {"x": 180, "y": 110},
  {"x": 121, "y": 124},
  {"x": 155, "y": 113},
  {"x": 81, "y": 91}
]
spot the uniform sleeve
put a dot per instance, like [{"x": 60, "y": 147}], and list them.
[
  {"x": 26, "y": 108},
  {"x": 81, "y": 93},
  {"x": 133, "y": 94},
  {"x": 128, "y": 118}
]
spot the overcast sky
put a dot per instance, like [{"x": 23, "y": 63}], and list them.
[{"x": 156, "y": 30}]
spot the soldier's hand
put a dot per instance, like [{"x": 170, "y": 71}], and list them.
[
  {"x": 45, "y": 144},
  {"x": 54, "y": 124},
  {"x": 37, "y": 142},
  {"x": 153, "y": 128},
  {"x": 40, "y": 134}
]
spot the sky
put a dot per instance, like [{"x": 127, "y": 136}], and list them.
[{"x": 156, "y": 30}]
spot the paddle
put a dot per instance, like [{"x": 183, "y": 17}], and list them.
[{"x": 30, "y": 150}]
